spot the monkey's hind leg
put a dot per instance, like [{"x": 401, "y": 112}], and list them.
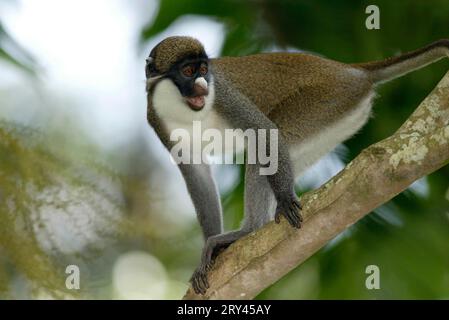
[
  {"x": 260, "y": 205},
  {"x": 260, "y": 202}
]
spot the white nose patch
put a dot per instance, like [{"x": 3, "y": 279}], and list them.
[{"x": 202, "y": 82}]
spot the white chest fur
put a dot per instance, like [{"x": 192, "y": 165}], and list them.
[
  {"x": 308, "y": 152},
  {"x": 171, "y": 107},
  {"x": 174, "y": 112}
]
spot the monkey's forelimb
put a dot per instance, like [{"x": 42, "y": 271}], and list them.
[{"x": 204, "y": 194}]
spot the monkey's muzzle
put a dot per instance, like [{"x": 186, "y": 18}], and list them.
[{"x": 198, "y": 101}]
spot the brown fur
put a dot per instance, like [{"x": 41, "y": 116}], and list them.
[
  {"x": 300, "y": 93},
  {"x": 172, "y": 49},
  {"x": 393, "y": 67}
]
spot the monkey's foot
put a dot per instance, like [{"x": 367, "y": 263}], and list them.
[
  {"x": 199, "y": 280},
  {"x": 290, "y": 208},
  {"x": 213, "y": 247}
]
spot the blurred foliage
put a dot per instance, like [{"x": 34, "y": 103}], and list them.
[
  {"x": 42, "y": 193},
  {"x": 61, "y": 207},
  {"x": 12, "y": 52},
  {"x": 408, "y": 237}
]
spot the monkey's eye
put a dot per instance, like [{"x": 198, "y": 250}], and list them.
[
  {"x": 203, "y": 69},
  {"x": 188, "y": 71}
]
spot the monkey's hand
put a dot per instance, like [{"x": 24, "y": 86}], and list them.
[{"x": 290, "y": 208}]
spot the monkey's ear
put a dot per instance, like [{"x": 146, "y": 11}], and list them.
[
  {"x": 150, "y": 70},
  {"x": 149, "y": 60}
]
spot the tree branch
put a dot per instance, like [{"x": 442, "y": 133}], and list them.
[{"x": 379, "y": 173}]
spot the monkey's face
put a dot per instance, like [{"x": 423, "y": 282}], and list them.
[
  {"x": 179, "y": 79},
  {"x": 191, "y": 76}
]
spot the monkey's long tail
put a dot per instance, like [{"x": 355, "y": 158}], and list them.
[{"x": 390, "y": 68}]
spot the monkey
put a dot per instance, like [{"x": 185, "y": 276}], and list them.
[{"x": 315, "y": 104}]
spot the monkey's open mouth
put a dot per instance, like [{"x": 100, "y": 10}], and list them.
[{"x": 196, "y": 103}]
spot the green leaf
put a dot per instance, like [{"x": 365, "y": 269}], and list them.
[{"x": 13, "y": 52}]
